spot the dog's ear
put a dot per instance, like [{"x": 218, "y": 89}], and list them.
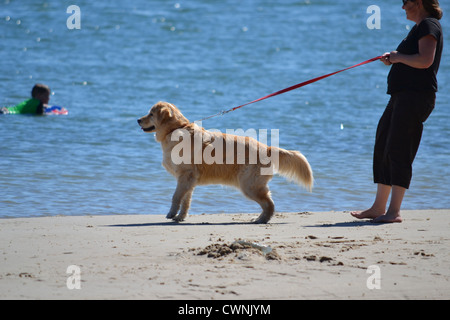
[{"x": 166, "y": 112}]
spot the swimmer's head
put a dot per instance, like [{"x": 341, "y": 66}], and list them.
[{"x": 41, "y": 92}]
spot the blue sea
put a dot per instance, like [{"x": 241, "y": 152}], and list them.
[{"x": 204, "y": 57}]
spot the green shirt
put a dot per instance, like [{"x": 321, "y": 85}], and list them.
[{"x": 30, "y": 106}]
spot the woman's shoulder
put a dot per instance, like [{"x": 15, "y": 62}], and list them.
[
  {"x": 430, "y": 26},
  {"x": 430, "y": 23}
]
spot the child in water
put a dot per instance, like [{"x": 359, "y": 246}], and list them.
[{"x": 40, "y": 96}]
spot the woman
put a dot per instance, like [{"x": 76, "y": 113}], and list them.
[{"x": 412, "y": 85}]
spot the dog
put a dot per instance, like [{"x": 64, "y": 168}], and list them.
[{"x": 203, "y": 157}]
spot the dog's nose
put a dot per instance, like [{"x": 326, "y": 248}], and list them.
[{"x": 139, "y": 121}]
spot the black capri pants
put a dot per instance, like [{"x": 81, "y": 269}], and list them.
[{"x": 398, "y": 136}]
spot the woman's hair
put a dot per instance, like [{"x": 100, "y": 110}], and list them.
[{"x": 432, "y": 7}]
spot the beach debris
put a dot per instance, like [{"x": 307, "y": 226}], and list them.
[
  {"x": 310, "y": 258},
  {"x": 264, "y": 249},
  {"x": 423, "y": 254},
  {"x": 325, "y": 259},
  {"x": 322, "y": 259},
  {"x": 25, "y": 275},
  {"x": 241, "y": 248}
]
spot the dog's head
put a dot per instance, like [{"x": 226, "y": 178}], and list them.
[{"x": 162, "y": 118}]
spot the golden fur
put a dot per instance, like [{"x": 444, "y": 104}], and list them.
[{"x": 224, "y": 159}]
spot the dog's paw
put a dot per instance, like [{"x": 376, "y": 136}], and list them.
[
  {"x": 178, "y": 218},
  {"x": 171, "y": 215},
  {"x": 260, "y": 221}
]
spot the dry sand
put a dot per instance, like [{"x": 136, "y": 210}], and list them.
[{"x": 324, "y": 255}]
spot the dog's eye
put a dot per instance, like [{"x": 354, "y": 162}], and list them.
[{"x": 151, "y": 114}]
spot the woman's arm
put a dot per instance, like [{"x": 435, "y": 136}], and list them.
[{"x": 422, "y": 60}]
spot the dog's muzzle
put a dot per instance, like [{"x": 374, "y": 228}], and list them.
[{"x": 149, "y": 129}]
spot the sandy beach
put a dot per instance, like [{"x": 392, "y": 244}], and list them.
[{"x": 321, "y": 255}]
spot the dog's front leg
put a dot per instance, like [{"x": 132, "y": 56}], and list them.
[
  {"x": 184, "y": 186},
  {"x": 185, "y": 205},
  {"x": 176, "y": 200}
]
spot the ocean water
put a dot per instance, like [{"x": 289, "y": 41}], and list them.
[{"x": 204, "y": 57}]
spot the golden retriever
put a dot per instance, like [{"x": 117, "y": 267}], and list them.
[{"x": 195, "y": 156}]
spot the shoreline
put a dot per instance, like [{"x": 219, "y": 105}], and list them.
[{"x": 315, "y": 255}]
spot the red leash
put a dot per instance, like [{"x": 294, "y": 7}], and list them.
[{"x": 293, "y": 87}]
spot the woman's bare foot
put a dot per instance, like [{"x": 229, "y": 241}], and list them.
[
  {"x": 371, "y": 213},
  {"x": 389, "y": 217}
]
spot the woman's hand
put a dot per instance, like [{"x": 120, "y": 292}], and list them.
[
  {"x": 422, "y": 60},
  {"x": 385, "y": 58},
  {"x": 390, "y": 57},
  {"x": 394, "y": 57}
]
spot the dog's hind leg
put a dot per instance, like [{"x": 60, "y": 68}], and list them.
[
  {"x": 265, "y": 201},
  {"x": 185, "y": 186},
  {"x": 261, "y": 194}
]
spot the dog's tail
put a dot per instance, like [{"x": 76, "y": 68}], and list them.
[{"x": 294, "y": 166}]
